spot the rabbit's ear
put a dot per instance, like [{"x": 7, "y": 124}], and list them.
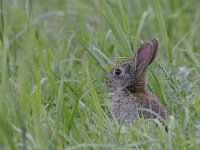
[{"x": 145, "y": 55}]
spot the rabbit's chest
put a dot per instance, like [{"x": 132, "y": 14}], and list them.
[{"x": 124, "y": 105}]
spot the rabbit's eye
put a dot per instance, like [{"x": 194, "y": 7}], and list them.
[{"x": 118, "y": 72}]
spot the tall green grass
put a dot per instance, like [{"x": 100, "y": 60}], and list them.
[{"x": 53, "y": 59}]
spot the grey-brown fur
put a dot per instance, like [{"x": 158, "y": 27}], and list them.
[{"x": 131, "y": 100}]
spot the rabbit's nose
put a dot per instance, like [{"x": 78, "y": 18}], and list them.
[{"x": 109, "y": 82}]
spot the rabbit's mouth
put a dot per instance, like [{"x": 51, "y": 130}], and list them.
[{"x": 109, "y": 82}]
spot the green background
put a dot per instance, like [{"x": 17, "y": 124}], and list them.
[{"x": 54, "y": 55}]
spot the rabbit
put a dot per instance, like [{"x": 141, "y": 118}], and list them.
[{"x": 131, "y": 101}]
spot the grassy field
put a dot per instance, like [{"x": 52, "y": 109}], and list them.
[{"x": 54, "y": 55}]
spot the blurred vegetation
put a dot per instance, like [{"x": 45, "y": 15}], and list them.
[{"x": 53, "y": 59}]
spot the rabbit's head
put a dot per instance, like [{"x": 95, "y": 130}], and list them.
[{"x": 131, "y": 74}]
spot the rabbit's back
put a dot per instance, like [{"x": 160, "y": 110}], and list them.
[
  {"x": 150, "y": 106},
  {"x": 131, "y": 107}
]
